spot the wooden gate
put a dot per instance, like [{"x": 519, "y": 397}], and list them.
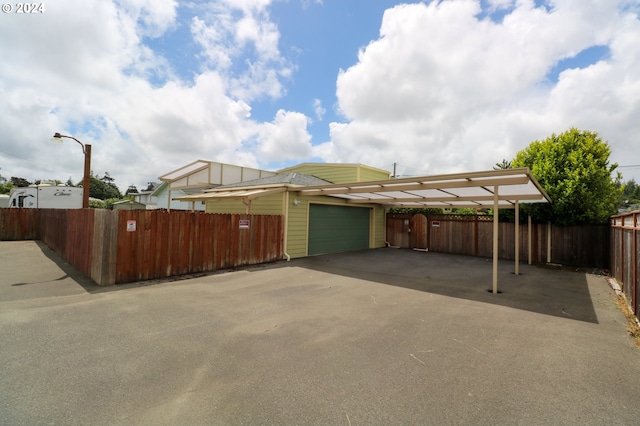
[
  {"x": 419, "y": 232},
  {"x": 405, "y": 230}
]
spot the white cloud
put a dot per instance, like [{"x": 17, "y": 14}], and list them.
[
  {"x": 319, "y": 110},
  {"x": 443, "y": 91},
  {"x": 85, "y": 69},
  {"x": 225, "y": 39},
  {"x": 286, "y": 138}
]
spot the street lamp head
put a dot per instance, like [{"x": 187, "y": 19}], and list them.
[{"x": 57, "y": 138}]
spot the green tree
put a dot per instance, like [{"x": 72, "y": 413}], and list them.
[
  {"x": 503, "y": 165},
  {"x": 108, "y": 180},
  {"x": 131, "y": 190},
  {"x": 573, "y": 168},
  {"x": 101, "y": 190},
  {"x": 630, "y": 194},
  {"x": 5, "y": 186},
  {"x": 19, "y": 182}
]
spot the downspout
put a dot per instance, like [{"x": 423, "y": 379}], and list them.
[{"x": 285, "y": 238}]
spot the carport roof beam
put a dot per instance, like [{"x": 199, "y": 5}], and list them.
[{"x": 474, "y": 190}]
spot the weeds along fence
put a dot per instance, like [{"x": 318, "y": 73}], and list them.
[
  {"x": 582, "y": 246},
  {"x": 115, "y": 247},
  {"x": 625, "y": 247}
]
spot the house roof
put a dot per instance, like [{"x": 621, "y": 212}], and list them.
[
  {"x": 256, "y": 188},
  {"x": 290, "y": 178},
  {"x": 185, "y": 171}
]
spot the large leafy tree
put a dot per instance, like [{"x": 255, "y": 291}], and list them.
[
  {"x": 19, "y": 182},
  {"x": 573, "y": 168},
  {"x": 103, "y": 188}
]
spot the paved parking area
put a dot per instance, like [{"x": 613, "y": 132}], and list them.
[{"x": 376, "y": 337}]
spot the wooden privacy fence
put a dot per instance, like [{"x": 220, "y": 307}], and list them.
[
  {"x": 585, "y": 246},
  {"x": 625, "y": 249},
  {"x": 115, "y": 247},
  {"x": 19, "y": 224}
]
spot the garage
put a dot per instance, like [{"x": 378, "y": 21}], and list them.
[{"x": 334, "y": 228}]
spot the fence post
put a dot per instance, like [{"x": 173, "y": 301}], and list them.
[
  {"x": 529, "y": 253},
  {"x": 517, "y": 237},
  {"x": 549, "y": 242},
  {"x": 105, "y": 245}
]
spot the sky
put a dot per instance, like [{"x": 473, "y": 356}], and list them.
[{"x": 424, "y": 88}]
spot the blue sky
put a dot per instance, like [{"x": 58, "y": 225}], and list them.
[{"x": 434, "y": 86}]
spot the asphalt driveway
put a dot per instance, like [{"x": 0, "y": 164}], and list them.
[{"x": 376, "y": 337}]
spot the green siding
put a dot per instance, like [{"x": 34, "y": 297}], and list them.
[
  {"x": 367, "y": 174},
  {"x": 331, "y": 173},
  {"x": 270, "y": 204},
  {"x": 340, "y": 173},
  {"x": 335, "y": 229},
  {"x": 226, "y": 206},
  {"x": 379, "y": 227},
  {"x": 297, "y": 229}
]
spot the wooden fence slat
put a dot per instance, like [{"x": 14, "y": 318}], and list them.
[{"x": 472, "y": 235}]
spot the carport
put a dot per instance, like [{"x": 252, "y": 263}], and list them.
[{"x": 496, "y": 189}]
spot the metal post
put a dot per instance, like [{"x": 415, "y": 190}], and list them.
[
  {"x": 495, "y": 239},
  {"x": 87, "y": 177}
]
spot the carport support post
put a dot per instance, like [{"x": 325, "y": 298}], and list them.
[
  {"x": 517, "y": 237},
  {"x": 495, "y": 239}
]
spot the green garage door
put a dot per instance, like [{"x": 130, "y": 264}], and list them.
[{"x": 334, "y": 229}]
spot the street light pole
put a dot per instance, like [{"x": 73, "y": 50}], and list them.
[{"x": 86, "y": 150}]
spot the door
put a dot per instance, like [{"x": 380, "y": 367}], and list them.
[
  {"x": 334, "y": 229},
  {"x": 419, "y": 234}
]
